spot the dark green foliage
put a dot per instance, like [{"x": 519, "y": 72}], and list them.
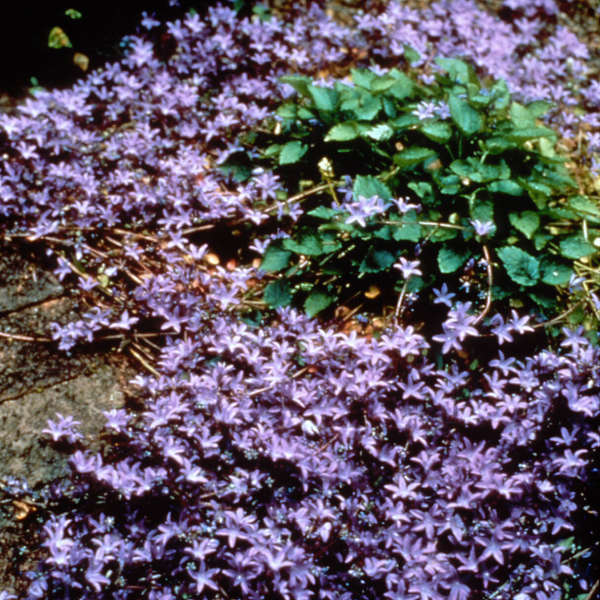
[{"x": 468, "y": 154}]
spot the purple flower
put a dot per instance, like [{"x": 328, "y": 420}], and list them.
[
  {"x": 117, "y": 419},
  {"x": 203, "y": 577},
  {"x": 425, "y": 110},
  {"x": 95, "y": 577},
  {"x": 125, "y": 321},
  {"x": 363, "y": 209},
  {"x": 443, "y": 296},
  {"x": 85, "y": 463},
  {"x": 63, "y": 429}
]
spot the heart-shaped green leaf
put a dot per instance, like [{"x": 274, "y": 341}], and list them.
[
  {"x": 521, "y": 267},
  {"x": 468, "y": 120},
  {"x": 527, "y": 222}
]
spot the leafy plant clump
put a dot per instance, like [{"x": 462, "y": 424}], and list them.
[{"x": 456, "y": 170}]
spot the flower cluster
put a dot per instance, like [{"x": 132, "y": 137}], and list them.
[
  {"x": 277, "y": 457},
  {"x": 294, "y": 460}
]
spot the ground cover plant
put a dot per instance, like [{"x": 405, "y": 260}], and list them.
[
  {"x": 276, "y": 455},
  {"x": 444, "y": 167}
]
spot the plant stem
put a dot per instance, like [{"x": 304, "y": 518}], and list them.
[
  {"x": 401, "y": 299},
  {"x": 593, "y": 591},
  {"x": 488, "y": 300},
  {"x": 23, "y": 338}
]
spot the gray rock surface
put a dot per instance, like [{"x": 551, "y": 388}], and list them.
[{"x": 36, "y": 382}]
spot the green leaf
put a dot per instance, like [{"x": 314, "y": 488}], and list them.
[
  {"x": 467, "y": 119},
  {"x": 498, "y": 144},
  {"x": 411, "y": 55},
  {"x": 308, "y": 244},
  {"x": 520, "y": 116},
  {"x": 292, "y": 152},
  {"x": 288, "y": 111},
  {"x": 423, "y": 189},
  {"x": 458, "y": 70},
  {"x": 323, "y": 212},
  {"x": 478, "y": 100},
  {"x": 462, "y": 167},
  {"x": 546, "y": 301},
  {"x": 530, "y": 133},
  {"x": 363, "y": 77},
  {"x": 325, "y": 99},
  {"x": 376, "y": 260},
  {"x": 381, "y": 84},
  {"x": 329, "y": 241},
  {"x": 350, "y": 99},
  {"x": 262, "y": 12},
  {"x": 305, "y": 114},
  {"x": 450, "y": 260},
  {"x": 558, "y": 177},
  {"x": 404, "y": 86},
  {"x": 275, "y": 259},
  {"x": 73, "y": 14},
  {"x": 555, "y": 272},
  {"x": 237, "y": 166},
  {"x": 506, "y": 186},
  {"x": 410, "y": 232},
  {"x": 526, "y": 222},
  {"x": 299, "y": 82},
  {"x": 480, "y": 172},
  {"x": 272, "y": 150},
  {"x": 384, "y": 233},
  {"x": 540, "y": 240},
  {"x": 415, "y": 284},
  {"x": 449, "y": 184},
  {"x": 380, "y": 133},
  {"x": 483, "y": 210},
  {"x": 521, "y": 267},
  {"x": 278, "y": 293},
  {"x": 367, "y": 108},
  {"x": 389, "y": 108},
  {"x": 343, "y": 132},
  {"x": 500, "y": 94},
  {"x": 405, "y": 122},
  {"x": 413, "y": 156},
  {"x": 368, "y": 186},
  {"x": 547, "y": 150},
  {"x": 437, "y": 131},
  {"x": 442, "y": 235},
  {"x": 587, "y": 208},
  {"x": 316, "y": 302},
  {"x": 538, "y": 108},
  {"x": 535, "y": 186},
  {"x": 576, "y": 246}
]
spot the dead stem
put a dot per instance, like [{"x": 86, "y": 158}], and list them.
[
  {"x": 143, "y": 362},
  {"x": 400, "y": 300},
  {"x": 352, "y": 313},
  {"x": 593, "y": 591},
  {"x": 190, "y": 230},
  {"x": 310, "y": 192},
  {"x": 488, "y": 300},
  {"x": 24, "y": 338},
  {"x": 132, "y": 234},
  {"x": 560, "y": 317}
]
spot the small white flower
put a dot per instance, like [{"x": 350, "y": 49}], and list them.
[
  {"x": 408, "y": 268},
  {"x": 482, "y": 228}
]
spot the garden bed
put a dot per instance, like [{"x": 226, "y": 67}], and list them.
[{"x": 348, "y": 262}]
